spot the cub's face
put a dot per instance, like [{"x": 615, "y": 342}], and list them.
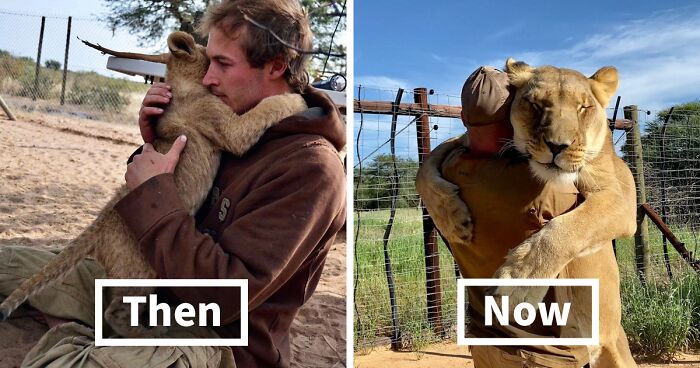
[{"x": 558, "y": 117}]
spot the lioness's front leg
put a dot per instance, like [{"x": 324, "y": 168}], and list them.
[
  {"x": 441, "y": 197},
  {"x": 608, "y": 212}
]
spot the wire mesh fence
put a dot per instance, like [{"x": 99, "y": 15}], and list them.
[
  {"x": 389, "y": 307},
  {"x": 44, "y": 68},
  {"x": 69, "y": 78},
  {"x": 374, "y": 174},
  {"x": 670, "y": 167}
]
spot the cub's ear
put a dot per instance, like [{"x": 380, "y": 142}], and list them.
[
  {"x": 519, "y": 73},
  {"x": 604, "y": 84},
  {"x": 181, "y": 45}
]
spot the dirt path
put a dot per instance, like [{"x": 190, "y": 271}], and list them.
[
  {"x": 55, "y": 176},
  {"x": 444, "y": 355}
]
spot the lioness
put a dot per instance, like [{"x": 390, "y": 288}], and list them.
[
  {"x": 211, "y": 127},
  {"x": 560, "y": 125}
]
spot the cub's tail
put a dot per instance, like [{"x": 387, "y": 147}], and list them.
[{"x": 56, "y": 270}]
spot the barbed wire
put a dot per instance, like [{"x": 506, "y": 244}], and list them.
[{"x": 11, "y": 12}]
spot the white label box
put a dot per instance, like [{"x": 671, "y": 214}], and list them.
[
  {"x": 514, "y": 341},
  {"x": 102, "y": 283}
]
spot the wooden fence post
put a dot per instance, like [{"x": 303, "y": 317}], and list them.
[
  {"x": 38, "y": 60},
  {"x": 65, "y": 62},
  {"x": 432, "y": 253},
  {"x": 641, "y": 237},
  {"x": 396, "y": 341},
  {"x": 7, "y": 110}
]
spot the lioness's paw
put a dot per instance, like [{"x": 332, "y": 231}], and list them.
[
  {"x": 517, "y": 294},
  {"x": 461, "y": 220},
  {"x": 449, "y": 213},
  {"x": 529, "y": 260},
  {"x": 454, "y": 222}
]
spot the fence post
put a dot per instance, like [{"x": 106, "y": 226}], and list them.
[
  {"x": 38, "y": 60},
  {"x": 432, "y": 254},
  {"x": 7, "y": 110},
  {"x": 396, "y": 342},
  {"x": 641, "y": 237},
  {"x": 65, "y": 62}
]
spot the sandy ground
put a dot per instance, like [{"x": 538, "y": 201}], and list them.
[
  {"x": 444, "y": 355},
  {"x": 56, "y": 174}
]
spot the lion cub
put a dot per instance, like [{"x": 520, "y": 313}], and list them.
[{"x": 211, "y": 127}]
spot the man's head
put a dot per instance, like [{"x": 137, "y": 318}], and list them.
[
  {"x": 486, "y": 98},
  {"x": 247, "y": 62}
]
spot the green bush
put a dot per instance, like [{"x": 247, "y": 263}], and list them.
[
  {"x": 375, "y": 183},
  {"x": 52, "y": 64},
  {"x": 660, "y": 319},
  {"x": 10, "y": 66},
  {"x": 41, "y": 88},
  {"x": 103, "y": 97}
]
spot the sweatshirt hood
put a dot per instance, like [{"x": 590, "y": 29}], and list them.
[{"x": 322, "y": 118}]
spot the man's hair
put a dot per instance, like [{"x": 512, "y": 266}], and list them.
[{"x": 286, "y": 18}]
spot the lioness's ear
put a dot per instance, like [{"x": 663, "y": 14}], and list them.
[
  {"x": 519, "y": 73},
  {"x": 604, "y": 84},
  {"x": 181, "y": 44}
]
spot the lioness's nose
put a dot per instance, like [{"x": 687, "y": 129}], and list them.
[{"x": 556, "y": 148}]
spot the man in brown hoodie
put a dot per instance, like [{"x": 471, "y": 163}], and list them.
[{"x": 272, "y": 214}]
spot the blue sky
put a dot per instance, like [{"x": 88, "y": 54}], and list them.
[{"x": 654, "y": 44}]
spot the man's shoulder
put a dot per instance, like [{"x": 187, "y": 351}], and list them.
[{"x": 299, "y": 145}]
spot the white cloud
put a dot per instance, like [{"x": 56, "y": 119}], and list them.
[
  {"x": 380, "y": 82},
  {"x": 657, "y": 57},
  {"x": 437, "y": 57},
  {"x": 504, "y": 32}
]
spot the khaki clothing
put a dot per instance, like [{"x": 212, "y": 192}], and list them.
[
  {"x": 73, "y": 344},
  {"x": 496, "y": 357},
  {"x": 508, "y": 205}
]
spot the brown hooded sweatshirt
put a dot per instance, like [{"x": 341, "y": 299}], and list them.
[{"x": 271, "y": 218}]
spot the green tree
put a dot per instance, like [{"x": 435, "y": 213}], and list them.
[
  {"x": 151, "y": 19},
  {"x": 328, "y": 25},
  {"x": 52, "y": 64},
  {"x": 375, "y": 183}
]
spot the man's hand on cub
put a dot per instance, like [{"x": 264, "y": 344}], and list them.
[
  {"x": 152, "y": 107},
  {"x": 150, "y": 163}
]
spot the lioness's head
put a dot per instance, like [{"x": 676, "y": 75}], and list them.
[{"x": 558, "y": 116}]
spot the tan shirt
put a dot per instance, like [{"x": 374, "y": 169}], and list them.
[{"x": 508, "y": 205}]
